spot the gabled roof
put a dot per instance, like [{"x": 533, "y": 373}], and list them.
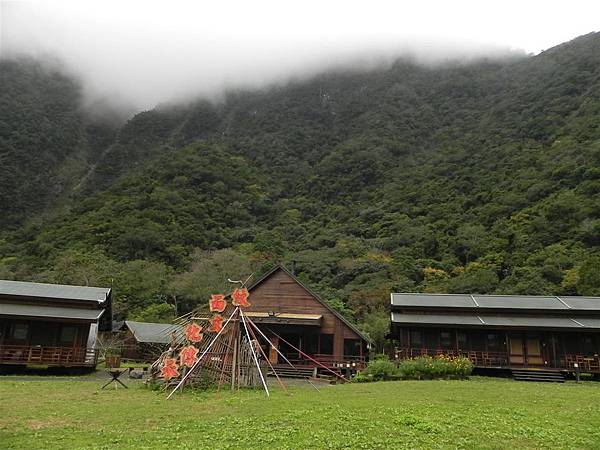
[
  {"x": 50, "y": 312},
  {"x": 307, "y": 289},
  {"x": 491, "y": 321},
  {"x": 153, "y": 333},
  {"x": 546, "y": 303},
  {"x": 53, "y": 291}
]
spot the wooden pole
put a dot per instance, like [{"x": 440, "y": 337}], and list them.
[
  {"x": 262, "y": 378},
  {"x": 310, "y": 358},
  {"x": 268, "y": 362},
  {"x": 234, "y": 358},
  {"x": 201, "y": 356},
  {"x": 221, "y": 378},
  {"x": 278, "y": 352}
]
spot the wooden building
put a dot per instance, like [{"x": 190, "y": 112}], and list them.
[
  {"x": 295, "y": 318},
  {"x": 145, "y": 341},
  {"x": 500, "y": 331},
  {"x": 50, "y": 324}
]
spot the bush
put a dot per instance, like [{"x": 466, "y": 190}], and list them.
[
  {"x": 427, "y": 367},
  {"x": 381, "y": 368},
  {"x": 421, "y": 368}
]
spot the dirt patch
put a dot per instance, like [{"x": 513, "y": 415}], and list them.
[{"x": 35, "y": 424}]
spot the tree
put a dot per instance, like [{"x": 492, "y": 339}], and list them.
[
  {"x": 589, "y": 277},
  {"x": 208, "y": 274},
  {"x": 77, "y": 267},
  {"x": 158, "y": 313},
  {"x": 376, "y": 325}
]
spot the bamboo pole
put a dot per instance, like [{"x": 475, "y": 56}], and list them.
[
  {"x": 201, "y": 356},
  {"x": 279, "y": 353},
  {"x": 268, "y": 362},
  {"x": 262, "y": 378},
  {"x": 308, "y": 357}
]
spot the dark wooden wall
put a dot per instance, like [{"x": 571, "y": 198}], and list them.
[
  {"x": 280, "y": 293},
  {"x": 44, "y": 333}
]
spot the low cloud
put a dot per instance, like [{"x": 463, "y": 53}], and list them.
[{"x": 144, "y": 53}]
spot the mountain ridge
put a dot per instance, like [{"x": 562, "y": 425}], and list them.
[{"x": 477, "y": 177}]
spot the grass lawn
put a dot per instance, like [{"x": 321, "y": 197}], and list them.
[{"x": 479, "y": 413}]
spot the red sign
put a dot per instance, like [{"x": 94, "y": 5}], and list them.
[
  {"x": 217, "y": 303},
  {"x": 188, "y": 355},
  {"x": 216, "y": 323},
  {"x": 170, "y": 369},
  {"x": 239, "y": 297},
  {"x": 193, "y": 332}
]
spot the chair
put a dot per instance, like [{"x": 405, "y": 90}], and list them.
[
  {"x": 487, "y": 360},
  {"x": 473, "y": 357}
]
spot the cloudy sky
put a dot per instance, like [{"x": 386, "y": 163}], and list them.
[{"x": 147, "y": 52}]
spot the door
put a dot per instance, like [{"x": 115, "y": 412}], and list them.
[
  {"x": 287, "y": 344},
  {"x": 517, "y": 354},
  {"x": 273, "y": 355},
  {"x": 534, "y": 351},
  {"x": 526, "y": 350}
]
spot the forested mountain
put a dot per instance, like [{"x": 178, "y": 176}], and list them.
[
  {"x": 47, "y": 142},
  {"x": 481, "y": 177}
]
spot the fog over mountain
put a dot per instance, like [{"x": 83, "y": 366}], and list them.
[{"x": 140, "y": 54}]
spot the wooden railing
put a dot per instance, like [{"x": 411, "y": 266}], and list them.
[
  {"x": 48, "y": 356},
  {"x": 478, "y": 358},
  {"x": 356, "y": 362},
  {"x": 584, "y": 363},
  {"x": 501, "y": 359}
]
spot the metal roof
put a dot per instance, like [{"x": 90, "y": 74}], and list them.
[
  {"x": 50, "y": 312},
  {"x": 587, "y": 303},
  {"x": 58, "y": 291},
  {"x": 435, "y": 319},
  {"x": 492, "y": 321},
  {"x": 537, "y": 302},
  {"x": 155, "y": 333}
]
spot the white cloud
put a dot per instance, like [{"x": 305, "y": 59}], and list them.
[{"x": 149, "y": 52}]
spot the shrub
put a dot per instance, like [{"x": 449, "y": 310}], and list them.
[
  {"x": 381, "y": 368},
  {"x": 427, "y": 367},
  {"x": 421, "y": 368}
]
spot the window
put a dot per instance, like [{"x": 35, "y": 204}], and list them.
[
  {"x": 326, "y": 344},
  {"x": 493, "y": 343},
  {"x": 416, "y": 339},
  {"x": 20, "y": 331},
  {"x": 445, "y": 339},
  {"x": 351, "y": 347},
  {"x": 310, "y": 343},
  {"x": 461, "y": 338},
  {"x": 67, "y": 335},
  {"x": 587, "y": 345}
]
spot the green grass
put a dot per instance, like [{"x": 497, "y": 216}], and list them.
[{"x": 479, "y": 413}]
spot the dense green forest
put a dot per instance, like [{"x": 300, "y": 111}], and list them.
[{"x": 479, "y": 177}]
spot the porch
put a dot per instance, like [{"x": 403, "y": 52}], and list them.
[
  {"x": 48, "y": 356},
  {"x": 502, "y": 360}
]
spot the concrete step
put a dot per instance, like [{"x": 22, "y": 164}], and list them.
[
  {"x": 550, "y": 376},
  {"x": 290, "y": 372}
]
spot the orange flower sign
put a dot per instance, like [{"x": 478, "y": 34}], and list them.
[
  {"x": 193, "y": 332},
  {"x": 216, "y": 323},
  {"x": 170, "y": 369},
  {"x": 217, "y": 303},
  {"x": 188, "y": 355},
  {"x": 239, "y": 297}
]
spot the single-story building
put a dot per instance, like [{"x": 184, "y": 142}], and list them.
[
  {"x": 145, "y": 341},
  {"x": 299, "y": 323},
  {"x": 500, "y": 331},
  {"x": 51, "y": 324}
]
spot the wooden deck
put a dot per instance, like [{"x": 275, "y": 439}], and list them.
[
  {"x": 484, "y": 359},
  {"x": 48, "y": 356}
]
